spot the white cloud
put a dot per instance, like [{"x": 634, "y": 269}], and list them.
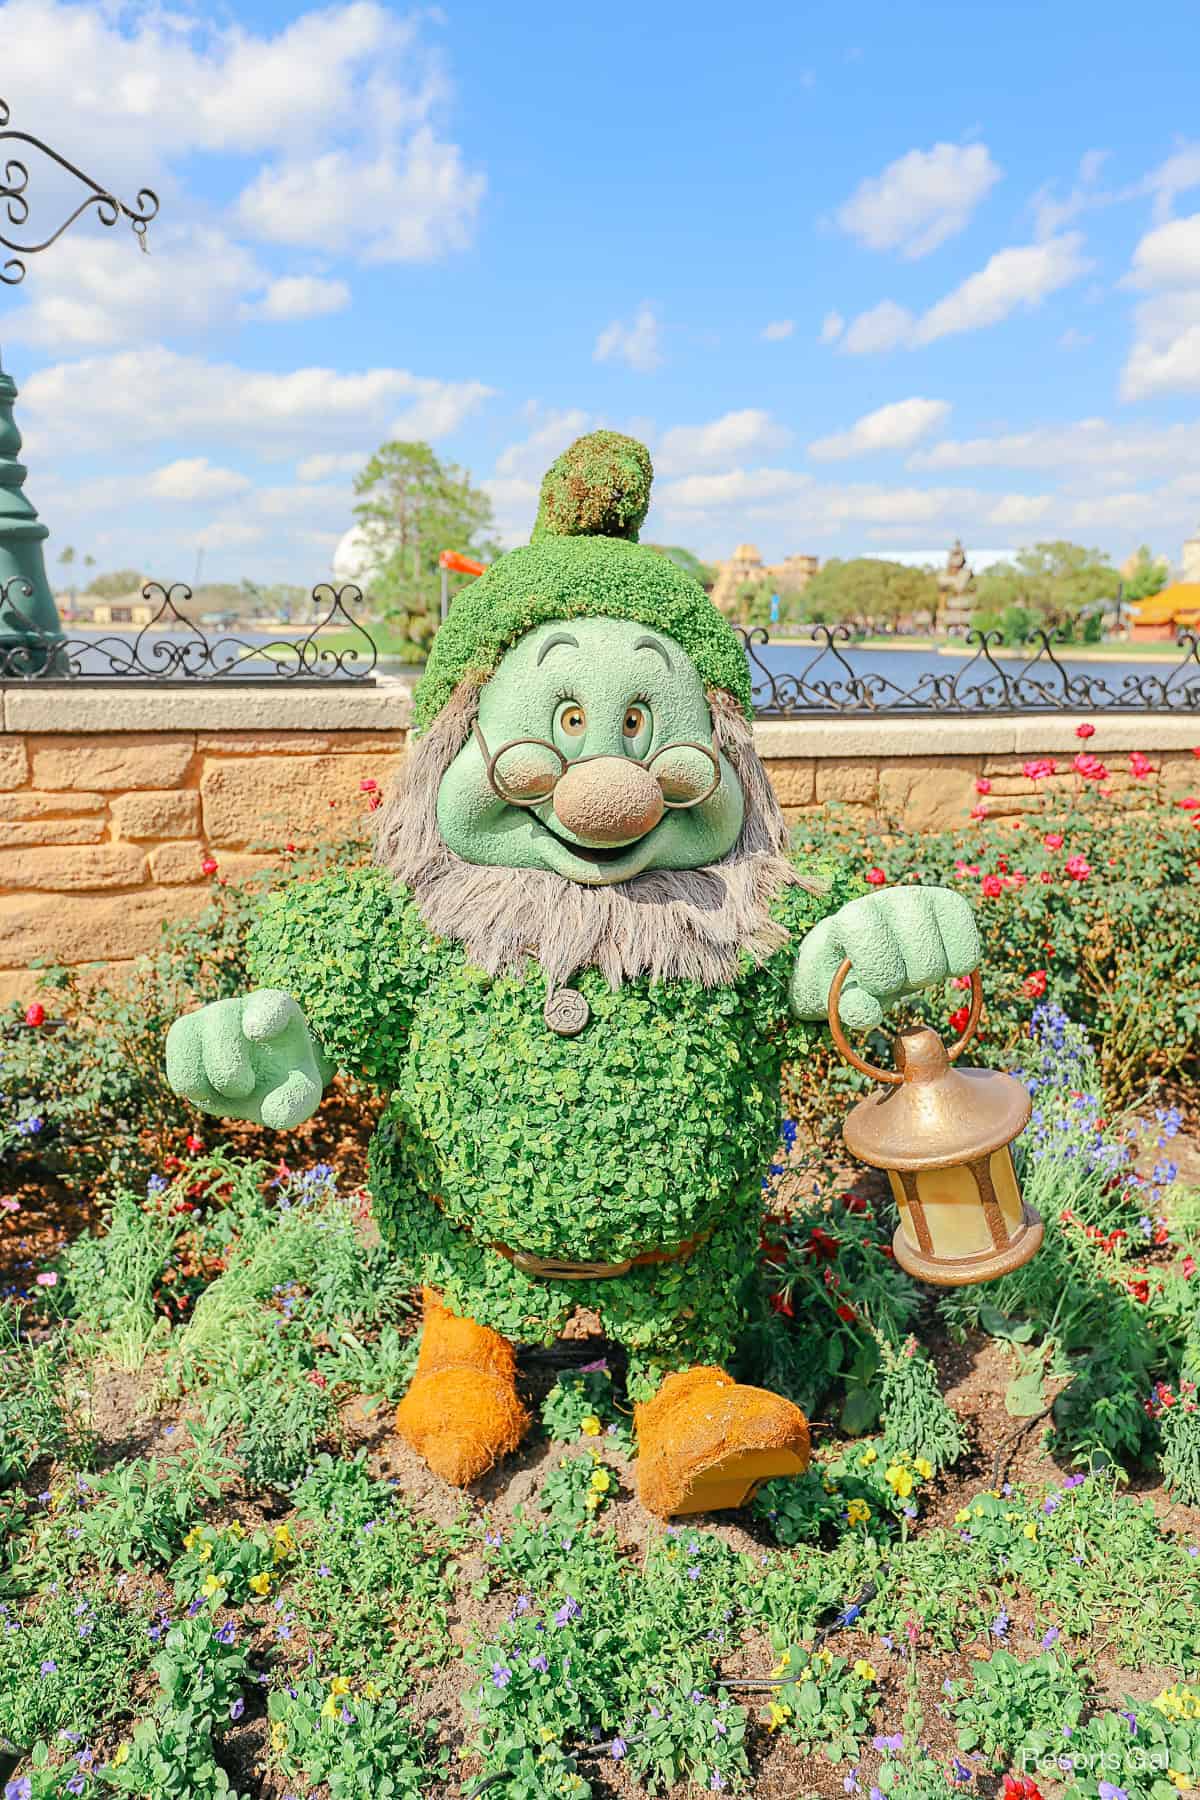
[
  {"x": 1163, "y": 368},
  {"x": 638, "y": 344},
  {"x": 1168, "y": 256},
  {"x": 300, "y": 297},
  {"x": 778, "y": 329},
  {"x": 1020, "y": 276},
  {"x": 749, "y": 433},
  {"x": 227, "y": 534},
  {"x": 894, "y": 427},
  {"x": 883, "y": 327},
  {"x": 514, "y": 485},
  {"x": 921, "y": 199},
  {"x": 146, "y": 396},
  {"x": 832, "y": 327},
  {"x": 412, "y": 204},
  {"x": 321, "y": 466},
  {"x": 1020, "y": 509},
  {"x": 1092, "y": 446},
  {"x": 343, "y": 99},
  {"x": 194, "y": 478}
]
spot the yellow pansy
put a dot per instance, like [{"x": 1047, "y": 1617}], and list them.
[
  {"x": 236, "y": 1529},
  {"x": 546, "y": 1734},
  {"x": 924, "y": 1467},
  {"x": 192, "y": 1538},
  {"x": 777, "y": 1715},
  {"x": 900, "y": 1480},
  {"x": 373, "y": 1691},
  {"x": 858, "y": 1512},
  {"x": 864, "y": 1671},
  {"x": 210, "y": 1586},
  {"x": 591, "y": 1425},
  {"x": 340, "y": 1685},
  {"x": 1030, "y": 1530},
  {"x": 260, "y": 1583},
  {"x": 1183, "y": 1782},
  {"x": 781, "y": 1666},
  {"x": 823, "y": 1656},
  {"x": 962, "y": 1516},
  {"x": 330, "y": 1708},
  {"x": 121, "y": 1754},
  {"x": 278, "y": 1734},
  {"x": 869, "y": 1455},
  {"x": 601, "y": 1481},
  {"x": 204, "y": 1552},
  {"x": 284, "y": 1539}
]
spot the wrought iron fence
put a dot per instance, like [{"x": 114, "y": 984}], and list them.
[
  {"x": 985, "y": 680},
  {"x": 172, "y": 650}
]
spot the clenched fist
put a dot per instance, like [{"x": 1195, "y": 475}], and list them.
[{"x": 252, "y": 1058}]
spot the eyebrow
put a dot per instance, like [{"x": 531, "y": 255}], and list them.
[
  {"x": 649, "y": 643},
  {"x": 552, "y": 643}
]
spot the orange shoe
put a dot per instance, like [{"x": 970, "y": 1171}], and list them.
[
  {"x": 462, "y": 1411},
  {"x": 706, "y": 1442}
]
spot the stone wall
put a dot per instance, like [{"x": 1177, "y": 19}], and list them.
[{"x": 106, "y": 831}]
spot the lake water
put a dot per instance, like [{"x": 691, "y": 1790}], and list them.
[{"x": 931, "y": 678}]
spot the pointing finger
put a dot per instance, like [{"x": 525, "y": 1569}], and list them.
[
  {"x": 267, "y": 1013},
  {"x": 185, "y": 1065},
  {"x": 226, "y": 1056},
  {"x": 857, "y": 1009}
]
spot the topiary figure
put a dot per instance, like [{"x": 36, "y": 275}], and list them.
[{"x": 578, "y": 961}]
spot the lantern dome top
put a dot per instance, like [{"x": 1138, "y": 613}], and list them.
[{"x": 936, "y": 1116}]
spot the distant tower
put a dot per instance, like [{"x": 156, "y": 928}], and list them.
[{"x": 1190, "y": 563}]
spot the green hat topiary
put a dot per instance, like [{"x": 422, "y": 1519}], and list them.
[{"x": 584, "y": 561}]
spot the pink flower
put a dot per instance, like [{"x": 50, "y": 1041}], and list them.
[
  {"x": 876, "y": 877},
  {"x": 992, "y": 886},
  {"x": 1078, "y": 868},
  {"x": 1090, "y": 767},
  {"x": 35, "y": 1014},
  {"x": 1039, "y": 768},
  {"x": 983, "y": 786},
  {"x": 368, "y": 786},
  {"x": 1054, "y": 840},
  {"x": 1085, "y": 731},
  {"x": 1046, "y": 877},
  {"x": 209, "y": 865},
  {"x": 47, "y": 1278},
  {"x": 1140, "y": 766},
  {"x": 960, "y": 981},
  {"x": 978, "y": 812}
]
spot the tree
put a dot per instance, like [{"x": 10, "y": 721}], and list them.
[
  {"x": 1147, "y": 577},
  {"x": 1054, "y": 582},
  {"x": 66, "y": 556},
  {"x": 865, "y": 593},
  {"x": 689, "y": 562},
  {"x": 412, "y": 507},
  {"x": 114, "y": 586}
]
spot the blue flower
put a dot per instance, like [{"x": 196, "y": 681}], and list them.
[
  {"x": 539, "y": 1663},
  {"x": 617, "y": 1748},
  {"x": 1000, "y": 1624},
  {"x": 500, "y": 1675},
  {"x": 227, "y": 1633},
  {"x": 20, "y": 1789},
  {"x": 238, "y": 1708},
  {"x": 569, "y": 1610}
]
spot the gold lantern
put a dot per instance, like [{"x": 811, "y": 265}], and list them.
[{"x": 942, "y": 1135}]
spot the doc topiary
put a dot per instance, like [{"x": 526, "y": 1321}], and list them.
[{"x": 578, "y": 962}]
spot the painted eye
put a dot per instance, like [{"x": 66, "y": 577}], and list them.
[
  {"x": 572, "y": 719},
  {"x": 635, "y": 722}
]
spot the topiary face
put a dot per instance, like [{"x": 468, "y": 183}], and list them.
[{"x": 593, "y": 757}]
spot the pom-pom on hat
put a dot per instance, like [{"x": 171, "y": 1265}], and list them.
[{"x": 584, "y": 561}]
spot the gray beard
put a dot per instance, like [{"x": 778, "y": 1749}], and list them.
[{"x": 667, "y": 924}]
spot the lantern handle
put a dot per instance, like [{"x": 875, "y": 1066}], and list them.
[{"x": 893, "y": 1077}]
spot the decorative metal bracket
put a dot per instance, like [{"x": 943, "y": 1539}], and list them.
[{"x": 14, "y": 183}]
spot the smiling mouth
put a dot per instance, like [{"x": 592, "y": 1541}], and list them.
[{"x": 605, "y": 853}]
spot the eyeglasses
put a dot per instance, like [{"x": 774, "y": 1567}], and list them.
[{"x": 526, "y": 771}]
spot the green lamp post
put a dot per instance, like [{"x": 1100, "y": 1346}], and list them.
[
  {"x": 30, "y": 630},
  {"x": 31, "y": 636}
]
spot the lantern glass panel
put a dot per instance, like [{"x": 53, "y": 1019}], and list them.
[{"x": 1004, "y": 1180}]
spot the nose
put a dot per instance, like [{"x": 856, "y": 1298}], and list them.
[{"x": 608, "y": 800}]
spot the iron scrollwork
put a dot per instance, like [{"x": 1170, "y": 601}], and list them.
[
  {"x": 1033, "y": 681},
  {"x": 14, "y": 184},
  {"x": 170, "y": 648}
]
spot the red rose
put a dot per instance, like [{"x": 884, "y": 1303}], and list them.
[
  {"x": 983, "y": 786},
  {"x": 1034, "y": 985},
  {"x": 978, "y": 812},
  {"x": 1054, "y": 840},
  {"x": 1078, "y": 868},
  {"x": 847, "y": 1313},
  {"x": 35, "y": 1014},
  {"x": 1140, "y": 1291},
  {"x": 194, "y": 1144},
  {"x": 958, "y": 1019},
  {"x": 1085, "y": 731},
  {"x": 992, "y": 886},
  {"x": 209, "y": 865},
  {"x": 1140, "y": 766},
  {"x": 1188, "y": 1266},
  {"x": 876, "y": 877}
]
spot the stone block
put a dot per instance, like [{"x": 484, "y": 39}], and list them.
[
  {"x": 75, "y": 928},
  {"x": 14, "y": 762},
  {"x": 176, "y": 863},
  {"x": 27, "y": 803},
  {"x": 856, "y": 780},
  {"x": 265, "y": 743},
  {"x": 794, "y": 780},
  {"x": 157, "y": 813},
  {"x": 1179, "y": 776},
  {"x": 928, "y": 793},
  {"x": 14, "y": 832},
  {"x": 267, "y": 800},
  {"x": 86, "y": 866},
  {"x": 112, "y": 760}
]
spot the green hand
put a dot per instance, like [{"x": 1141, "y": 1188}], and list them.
[
  {"x": 903, "y": 939},
  {"x": 252, "y": 1058}
]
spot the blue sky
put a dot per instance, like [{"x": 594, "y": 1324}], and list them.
[{"x": 864, "y": 278}]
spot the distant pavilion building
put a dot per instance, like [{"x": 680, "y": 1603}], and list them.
[
  {"x": 746, "y": 567},
  {"x": 1161, "y": 617}
]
